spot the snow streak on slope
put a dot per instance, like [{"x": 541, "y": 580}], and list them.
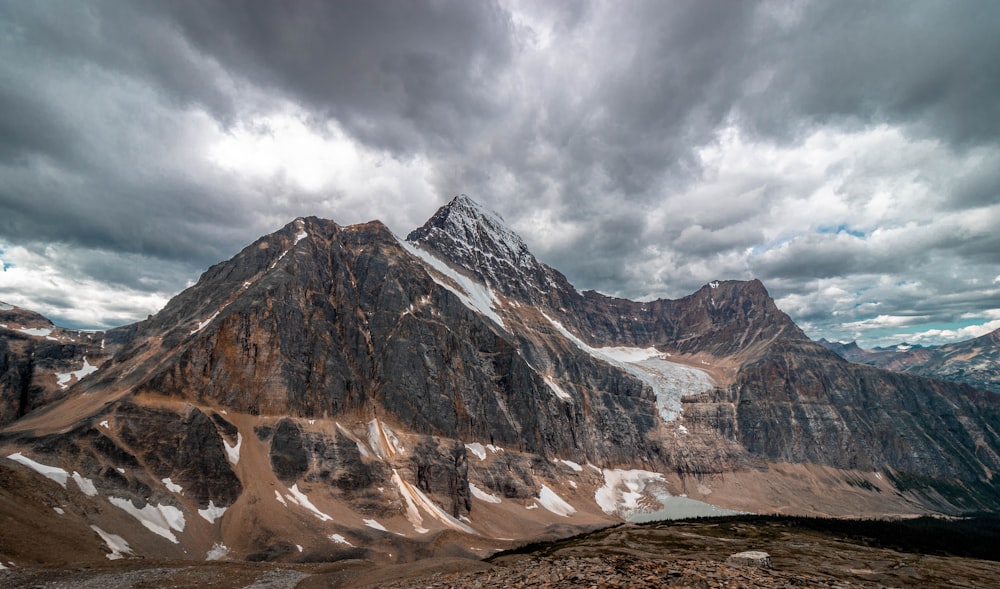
[
  {"x": 54, "y": 473},
  {"x": 473, "y": 295},
  {"x": 416, "y": 500},
  {"x": 159, "y": 519},
  {"x": 669, "y": 380},
  {"x": 299, "y": 498},
  {"x": 383, "y": 440},
  {"x": 483, "y": 495},
  {"x": 116, "y": 544}
]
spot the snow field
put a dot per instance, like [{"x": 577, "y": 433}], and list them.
[{"x": 670, "y": 381}]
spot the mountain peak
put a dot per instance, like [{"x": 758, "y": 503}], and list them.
[
  {"x": 465, "y": 225},
  {"x": 476, "y": 239}
]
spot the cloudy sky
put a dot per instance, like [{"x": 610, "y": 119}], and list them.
[{"x": 846, "y": 153}]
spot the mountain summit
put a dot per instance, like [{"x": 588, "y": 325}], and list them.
[
  {"x": 478, "y": 241},
  {"x": 336, "y": 392}
]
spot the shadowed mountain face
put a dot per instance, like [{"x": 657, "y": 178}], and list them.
[
  {"x": 338, "y": 391},
  {"x": 975, "y": 362}
]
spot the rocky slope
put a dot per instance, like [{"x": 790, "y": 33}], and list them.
[
  {"x": 975, "y": 362},
  {"x": 39, "y": 362},
  {"x": 335, "y": 392}
]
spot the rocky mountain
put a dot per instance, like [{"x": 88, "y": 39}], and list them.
[
  {"x": 39, "y": 361},
  {"x": 337, "y": 392},
  {"x": 975, "y": 362}
]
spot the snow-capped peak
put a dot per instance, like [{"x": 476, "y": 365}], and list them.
[
  {"x": 476, "y": 241},
  {"x": 475, "y": 229}
]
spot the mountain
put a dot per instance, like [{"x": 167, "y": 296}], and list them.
[
  {"x": 975, "y": 362},
  {"x": 337, "y": 392},
  {"x": 39, "y": 361}
]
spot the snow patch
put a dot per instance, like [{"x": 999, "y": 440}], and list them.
[
  {"x": 483, "y": 495},
  {"x": 116, "y": 544},
  {"x": 59, "y": 510},
  {"x": 159, "y": 519},
  {"x": 572, "y": 465},
  {"x": 299, "y": 546},
  {"x": 532, "y": 506},
  {"x": 212, "y": 512},
  {"x": 172, "y": 486},
  {"x": 478, "y": 449},
  {"x": 50, "y": 472},
  {"x": 233, "y": 452},
  {"x": 554, "y": 503},
  {"x": 63, "y": 378},
  {"x": 280, "y": 499},
  {"x": 340, "y": 539},
  {"x": 375, "y": 525},
  {"x": 299, "y": 498},
  {"x": 86, "y": 485},
  {"x": 105, "y": 425},
  {"x": 682, "y": 429},
  {"x": 217, "y": 552},
  {"x": 300, "y": 236},
  {"x": 38, "y": 332},
  {"x": 476, "y": 296},
  {"x": 624, "y": 491}
]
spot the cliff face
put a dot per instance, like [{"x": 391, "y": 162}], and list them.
[
  {"x": 39, "y": 362},
  {"x": 337, "y": 384}
]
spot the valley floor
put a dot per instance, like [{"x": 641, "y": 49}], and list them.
[{"x": 804, "y": 553}]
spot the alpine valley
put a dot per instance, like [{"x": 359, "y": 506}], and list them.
[{"x": 339, "y": 392}]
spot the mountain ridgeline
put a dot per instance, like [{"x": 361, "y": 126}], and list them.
[{"x": 334, "y": 391}]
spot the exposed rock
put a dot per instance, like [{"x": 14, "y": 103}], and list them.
[
  {"x": 288, "y": 456},
  {"x": 412, "y": 388},
  {"x": 750, "y": 558}
]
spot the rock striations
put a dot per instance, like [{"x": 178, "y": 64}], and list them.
[{"x": 333, "y": 392}]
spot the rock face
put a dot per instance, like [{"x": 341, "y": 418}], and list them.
[
  {"x": 975, "y": 362},
  {"x": 340, "y": 390},
  {"x": 39, "y": 362}
]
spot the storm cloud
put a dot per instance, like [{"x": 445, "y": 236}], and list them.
[{"x": 844, "y": 153}]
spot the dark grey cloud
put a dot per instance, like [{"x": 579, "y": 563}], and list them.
[
  {"x": 407, "y": 76},
  {"x": 643, "y": 148}
]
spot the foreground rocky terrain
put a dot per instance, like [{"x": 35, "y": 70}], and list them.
[
  {"x": 334, "y": 393},
  {"x": 803, "y": 553}
]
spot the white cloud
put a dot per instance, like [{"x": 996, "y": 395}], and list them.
[
  {"x": 958, "y": 334},
  {"x": 38, "y": 282}
]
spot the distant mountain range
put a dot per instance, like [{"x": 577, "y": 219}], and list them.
[
  {"x": 975, "y": 362},
  {"x": 337, "y": 392}
]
